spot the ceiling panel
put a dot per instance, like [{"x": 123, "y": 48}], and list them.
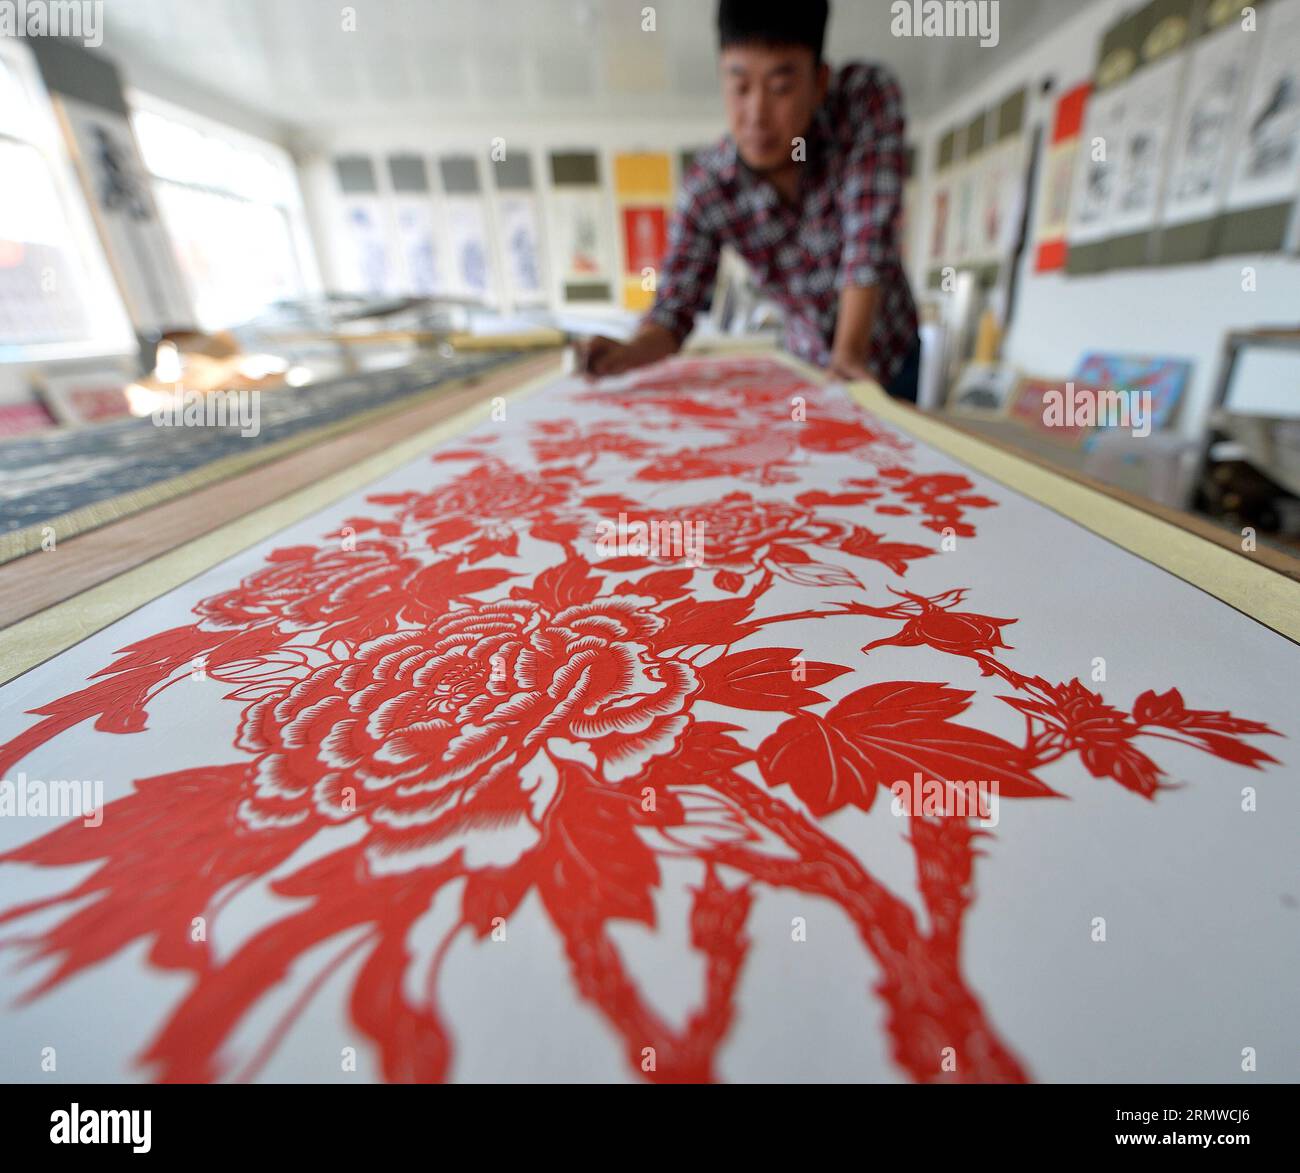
[{"x": 293, "y": 60}]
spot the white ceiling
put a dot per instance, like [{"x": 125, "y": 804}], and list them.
[{"x": 292, "y": 61}]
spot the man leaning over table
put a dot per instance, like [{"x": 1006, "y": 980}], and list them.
[{"x": 807, "y": 188}]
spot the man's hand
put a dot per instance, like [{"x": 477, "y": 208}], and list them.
[
  {"x": 851, "y": 350},
  {"x": 849, "y": 368},
  {"x": 599, "y": 355}
]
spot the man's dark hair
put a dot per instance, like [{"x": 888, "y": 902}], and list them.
[{"x": 773, "y": 22}]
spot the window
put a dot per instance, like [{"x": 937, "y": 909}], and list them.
[
  {"x": 57, "y": 298},
  {"x": 232, "y": 209}
]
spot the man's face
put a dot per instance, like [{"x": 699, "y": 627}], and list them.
[{"x": 770, "y": 93}]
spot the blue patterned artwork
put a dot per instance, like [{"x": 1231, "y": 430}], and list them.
[{"x": 1164, "y": 379}]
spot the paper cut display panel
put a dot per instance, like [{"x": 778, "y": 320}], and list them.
[
  {"x": 1059, "y": 165},
  {"x": 366, "y": 258},
  {"x": 520, "y": 246},
  {"x": 471, "y": 260},
  {"x": 419, "y": 243},
  {"x": 1097, "y": 172},
  {"x": 692, "y": 725},
  {"x": 645, "y": 241},
  {"x": 1203, "y": 139},
  {"x": 1267, "y": 164},
  {"x": 120, "y": 193}
]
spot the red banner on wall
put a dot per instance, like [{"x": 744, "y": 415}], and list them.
[
  {"x": 1054, "y": 204},
  {"x": 645, "y": 238}
]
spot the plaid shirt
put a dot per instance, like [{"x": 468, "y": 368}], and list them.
[{"x": 843, "y": 233}]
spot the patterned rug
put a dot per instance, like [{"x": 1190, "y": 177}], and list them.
[{"x": 75, "y": 479}]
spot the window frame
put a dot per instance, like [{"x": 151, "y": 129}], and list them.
[{"x": 292, "y": 208}]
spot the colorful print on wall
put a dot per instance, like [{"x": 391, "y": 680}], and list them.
[
  {"x": 645, "y": 240},
  {"x": 1033, "y": 405},
  {"x": 1058, "y": 180},
  {"x": 1160, "y": 381},
  {"x": 643, "y": 190},
  {"x": 580, "y": 228}
]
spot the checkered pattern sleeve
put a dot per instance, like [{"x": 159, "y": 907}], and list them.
[
  {"x": 685, "y": 279},
  {"x": 871, "y": 194}
]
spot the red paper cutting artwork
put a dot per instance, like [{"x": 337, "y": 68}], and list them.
[
  {"x": 533, "y": 731},
  {"x": 645, "y": 238}
]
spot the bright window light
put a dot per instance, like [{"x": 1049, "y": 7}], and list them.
[{"x": 232, "y": 210}]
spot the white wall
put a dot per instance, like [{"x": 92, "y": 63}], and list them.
[{"x": 1176, "y": 310}]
